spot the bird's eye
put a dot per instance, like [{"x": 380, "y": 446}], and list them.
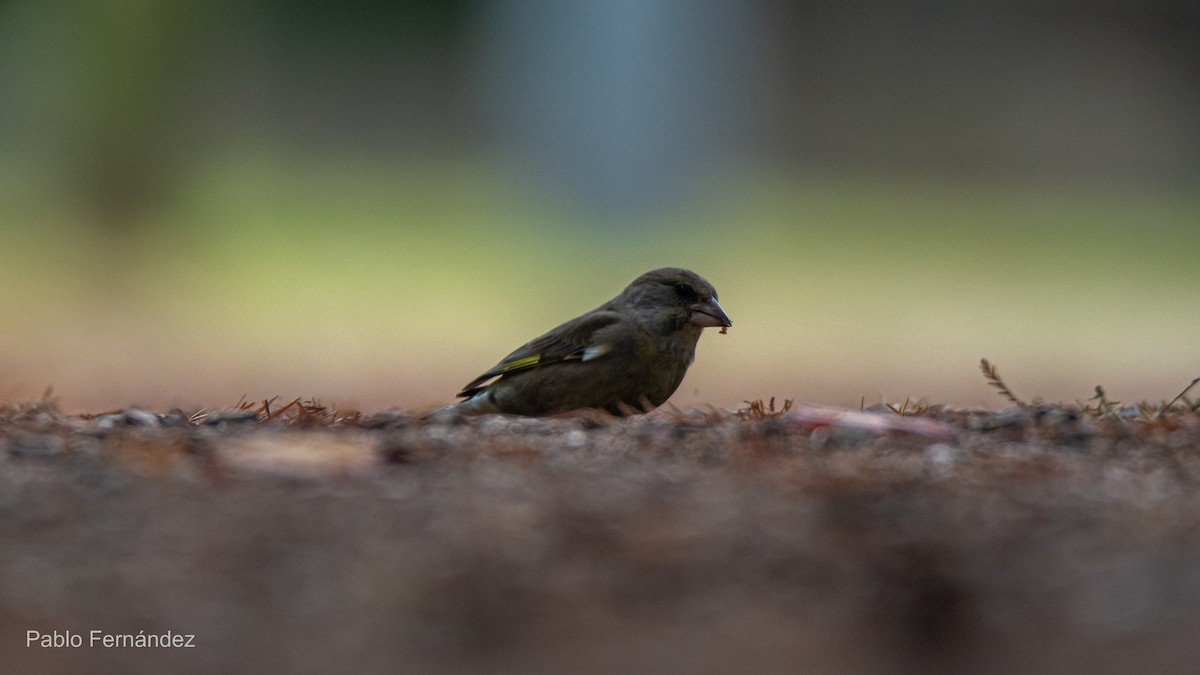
[{"x": 686, "y": 292}]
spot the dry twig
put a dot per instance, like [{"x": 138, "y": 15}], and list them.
[
  {"x": 1177, "y": 398},
  {"x": 993, "y": 378}
]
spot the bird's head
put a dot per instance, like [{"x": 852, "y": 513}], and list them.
[{"x": 676, "y": 296}]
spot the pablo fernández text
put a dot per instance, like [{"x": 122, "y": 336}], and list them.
[{"x": 98, "y": 638}]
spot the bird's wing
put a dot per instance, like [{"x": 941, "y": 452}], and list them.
[{"x": 575, "y": 340}]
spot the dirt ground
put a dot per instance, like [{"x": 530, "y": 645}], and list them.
[{"x": 1036, "y": 539}]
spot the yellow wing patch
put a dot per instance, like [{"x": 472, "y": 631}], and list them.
[{"x": 519, "y": 364}]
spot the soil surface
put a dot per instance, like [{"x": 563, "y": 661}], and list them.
[{"x": 1037, "y": 539}]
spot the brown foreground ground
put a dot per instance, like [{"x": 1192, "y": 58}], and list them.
[{"x": 1041, "y": 539}]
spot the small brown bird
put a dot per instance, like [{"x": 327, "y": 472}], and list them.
[{"x": 629, "y": 354}]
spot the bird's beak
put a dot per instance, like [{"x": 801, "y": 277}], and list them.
[{"x": 709, "y": 315}]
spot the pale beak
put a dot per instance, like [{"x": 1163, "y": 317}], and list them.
[{"x": 709, "y": 315}]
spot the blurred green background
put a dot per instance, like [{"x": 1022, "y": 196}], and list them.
[{"x": 372, "y": 202}]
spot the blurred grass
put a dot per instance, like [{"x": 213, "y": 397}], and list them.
[{"x": 392, "y": 282}]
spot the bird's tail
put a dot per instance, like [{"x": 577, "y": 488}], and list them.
[{"x": 479, "y": 404}]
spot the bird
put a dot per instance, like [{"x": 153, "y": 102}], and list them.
[{"x": 626, "y": 356}]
